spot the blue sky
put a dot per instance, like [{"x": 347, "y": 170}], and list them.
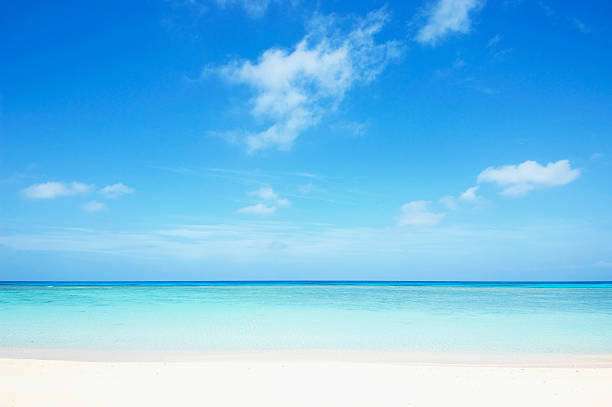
[{"x": 272, "y": 139}]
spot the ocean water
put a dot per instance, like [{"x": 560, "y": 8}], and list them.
[{"x": 248, "y": 316}]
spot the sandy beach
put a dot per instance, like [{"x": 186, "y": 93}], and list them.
[{"x": 297, "y": 381}]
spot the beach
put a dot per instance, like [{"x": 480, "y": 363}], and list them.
[
  {"x": 297, "y": 381},
  {"x": 311, "y": 344}
]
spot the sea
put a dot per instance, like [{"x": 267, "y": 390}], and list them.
[{"x": 237, "y": 316}]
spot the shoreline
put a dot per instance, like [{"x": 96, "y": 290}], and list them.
[{"x": 393, "y": 357}]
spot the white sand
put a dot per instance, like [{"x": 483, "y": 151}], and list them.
[{"x": 245, "y": 381}]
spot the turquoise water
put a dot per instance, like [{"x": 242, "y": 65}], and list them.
[{"x": 239, "y": 316}]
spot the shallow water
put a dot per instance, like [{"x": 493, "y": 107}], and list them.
[{"x": 243, "y": 316}]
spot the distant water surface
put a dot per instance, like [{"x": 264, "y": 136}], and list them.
[{"x": 244, "y": 316}]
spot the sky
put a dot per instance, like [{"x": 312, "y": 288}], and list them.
[{"x": 300, "y": 140}]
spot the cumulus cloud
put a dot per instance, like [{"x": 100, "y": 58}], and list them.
[
  {"x": 266, "y": 193},
  {"x": 94, "y": 206},
  {"x": 446, "y": 17},
  {"x": 418, "y": 213},
  {"x": 294, "y": 88},
  {"x": 116, "y": 190},
  {"x": 257, "y": 209},
  {"x": 50, "y": 190},
  {"x": 519, "y": 179},
  {"x": 272, "y": 201},
  {"x": 469, "y": 194}
]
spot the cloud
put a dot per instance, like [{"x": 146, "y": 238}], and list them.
[
  {"x": 94, "y": 206},
  {"x": 449, "y": 201},
  {"x": 351, "y": 128},
  {"x": 417, "y": 213},
  {"x": 265, "y": 193},
  {"x": 283, "y": 202},
  {"x": 470, "y": 194},
  {"x": 50, "y": 190},
  {"x": 305, "y": 189},
  {"x": 257, "y": 209},
  {"x": 573, "y": 22},
  {"x": 604, "y": 264},
  {"x": 292, "y": 89},
  {"x": 519, "y": 179},
  {"x": 533, "y": 245},
  {"x": 115, "y": 190},
  {"x": 446, "y": 17},
  {"x": 254, "y": 8},
  {"x": 493, "y": 41},
  {"x": 273, "y": 200}
]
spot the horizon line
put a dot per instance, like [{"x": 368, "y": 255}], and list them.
[{"x": 313, "y": 281}]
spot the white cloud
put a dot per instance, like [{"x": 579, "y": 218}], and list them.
[
  {"x": 519, "y": 179},
  {"x": 417, "y": 213},
  {"x": 116, "y": 190},
  {"x": 283, "y": 202},
  {"x": 257, "y": 209},
  {"x": 446, "y": 17},
  {"x": 449, "y": 201},
  {"x": 94, "y": 206},
  {"x": 470, "y": 194},
  {"x": 50, "y": 190},
  {"x": 294, "y": 88},
  {"x": 265, "y": 193},
  {"x": 271, "y": 197}
]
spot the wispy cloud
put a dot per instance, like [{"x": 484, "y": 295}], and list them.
[
  {"x": 257, "y": 209},
  {"x": 50, "y": 190},
  {"x": 449, "y": 201},
  {"x": 603, "y": 264},
  {"x": 294, "y": 88},
  {"x": 519, "y": 179},
  {"x": 271, "y": 201},
  {"x": 351, "y": 128},
  {"x": 94, "y": 206},
  {"x": 446, "y": 17},
  {"x": 305, "y": 189},
  {"x": 494, "y": 40},
  {"x": 256, "y": 243},
  {"x": 116, "y": 190},
  {"x": 568, "y": 20},
  {"x": 254, "y": 8},
  {"x": 418, "y": 213}
]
